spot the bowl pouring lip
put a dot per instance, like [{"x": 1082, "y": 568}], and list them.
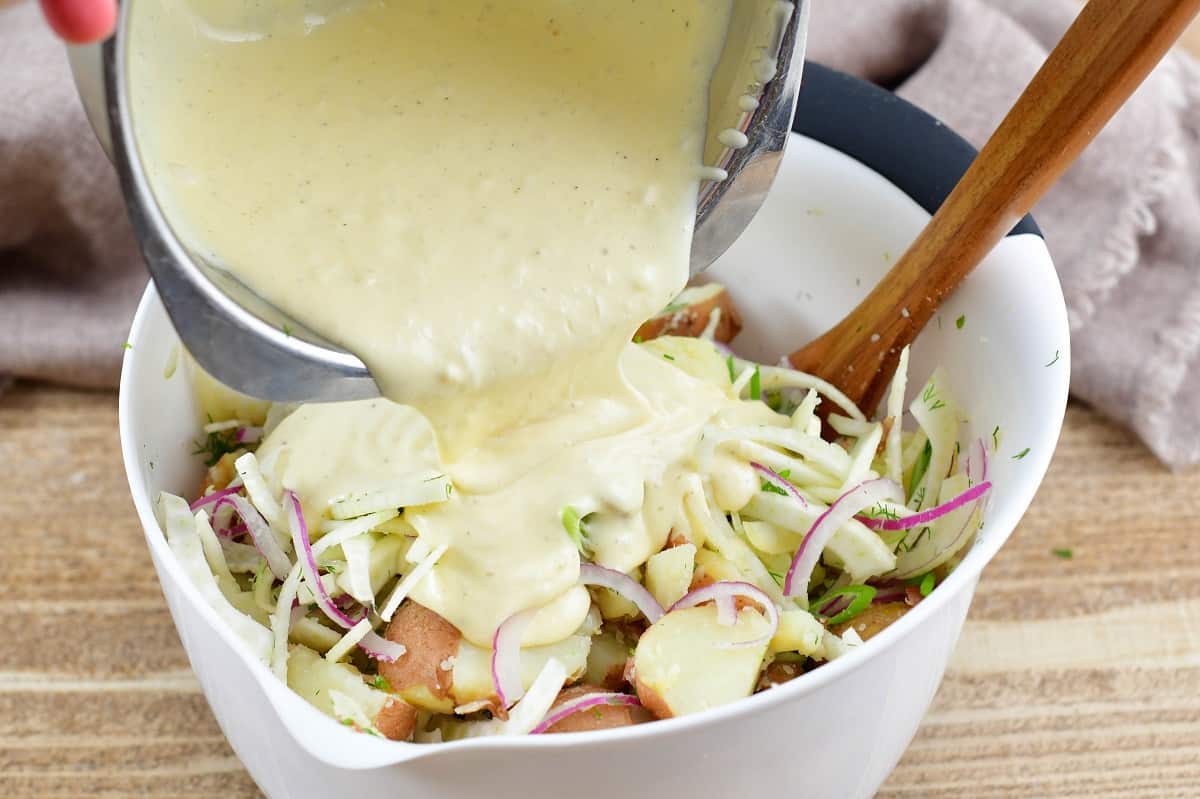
[{"x": 1001, "y": 523}]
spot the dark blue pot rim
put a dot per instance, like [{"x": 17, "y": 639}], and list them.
[{"x": 912, "y": 149}]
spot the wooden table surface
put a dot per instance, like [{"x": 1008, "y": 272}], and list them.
[
  {"x": 1073, "y": 676},
  {"x": 1076, "y": 677}
]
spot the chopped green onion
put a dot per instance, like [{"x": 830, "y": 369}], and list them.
[
  {"x": 572, "y": 522},
  {"x": 638, "y": 340},
  {"x": 668, "y": 356},
  {"x": 1065, "y": 554},
  {"x": 863, "y": 596},
  {"x": 287, "y": 329},
  {"x": 127, "y": 345},
  {"x": 381, "y": 683},
  {"x": 216, "y": 446},
  {"x": 960, "y": 321},
  {"x": 756, "y": 385},
  {"x": 767, "y": 485},
  {"x": 927, "y": 584},
  {"x": 732, "y": 369}
]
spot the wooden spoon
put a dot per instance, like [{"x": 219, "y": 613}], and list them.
[{"x": 1102, "y": 59}]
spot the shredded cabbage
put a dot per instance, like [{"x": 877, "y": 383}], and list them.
[{"x": 184, "y": 541}]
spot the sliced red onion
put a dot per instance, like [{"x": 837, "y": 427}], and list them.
[
  {"x": 776, "y": 479},
  {"x": 889, "y": 592},
  {"x": 983, "y": 462},
  {"x": 955, "y": 543},
  {"x": 264, "y": 540},
  {"x": 308, "y": 563},
  {"x": 623, "y": 584},
  {"x": 925, "y": 517},
  {"x": 351, "y": 607},
  {"x": 208, "y": 499},
  {"x": 731, "y": 590},
  {"x": 235, "y": 531},
  {"x": 581, "y": 703},
  {"x": 506, "y": 657},
  {"x": 835, "y": 606},
  {"x": 223, "y": 512},
  {"x": 841, "y": 511},
  {"x": 380, "y": 648},
  {"x": 249, "y": 434},
  {"x": 727, "y": 611}
]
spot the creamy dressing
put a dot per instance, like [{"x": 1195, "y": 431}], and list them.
[{"x": 482, "y": 200}]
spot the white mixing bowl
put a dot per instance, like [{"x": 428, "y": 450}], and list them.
[{"x": 826, "y": 234}]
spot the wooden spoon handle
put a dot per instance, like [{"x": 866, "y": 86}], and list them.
[{"x": 1107, "y": 53}]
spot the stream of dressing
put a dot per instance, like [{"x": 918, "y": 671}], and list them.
[{"x": 482, "y": 200}]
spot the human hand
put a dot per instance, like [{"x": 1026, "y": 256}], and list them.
[{"x": 81, "y": 21}]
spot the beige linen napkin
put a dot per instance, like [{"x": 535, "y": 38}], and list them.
[
  {"x": 1124, "y": 225},
  {"x": 70, "y": 273}
]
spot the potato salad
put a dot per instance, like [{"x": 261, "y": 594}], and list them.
[{"x": 788, "y": 528}]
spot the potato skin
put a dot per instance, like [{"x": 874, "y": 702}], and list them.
[
  {"x": 396, "y": 719},
  {"x": 652, "y": 701},
  {"x": 681, "y": 666},
  {"x": 691, "y": 320},
  {"x": 431, "y": 641},
  {"x": 874, "y": 619},
  {"x": 778, "y": 673},
  {"x": 601, "y": 717}
]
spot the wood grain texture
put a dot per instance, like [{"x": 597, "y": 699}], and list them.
[{"x": 1073, "y": 676}]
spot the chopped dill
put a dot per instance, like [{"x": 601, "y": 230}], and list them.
[
  {"x": 1057, "y": 355},
  {"x": 216, "y": 446},
  {"x": 638, "y": 340},
  {"x": 881, "y": 511},
  {"x": 995, "y": 438},
  {"x": 381, "y": 683},
  {"x": 127, "y": 345},
  {"x": 732, "y": 369},
  {"x": 287, "y": 329},
  {"x": 668, "y": 356},
  {"x": 777, "y": 577},
  {"x": 1065, "y": 554},
  {"x": 960, "y": 321},
  {"x": 905, "y": 546},
  {"x": 1021, "y": 454},
  {"x": 756, "y": 385},
  {"x": 930, "y": 398},
  {"x": 919, "y": 469}
]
